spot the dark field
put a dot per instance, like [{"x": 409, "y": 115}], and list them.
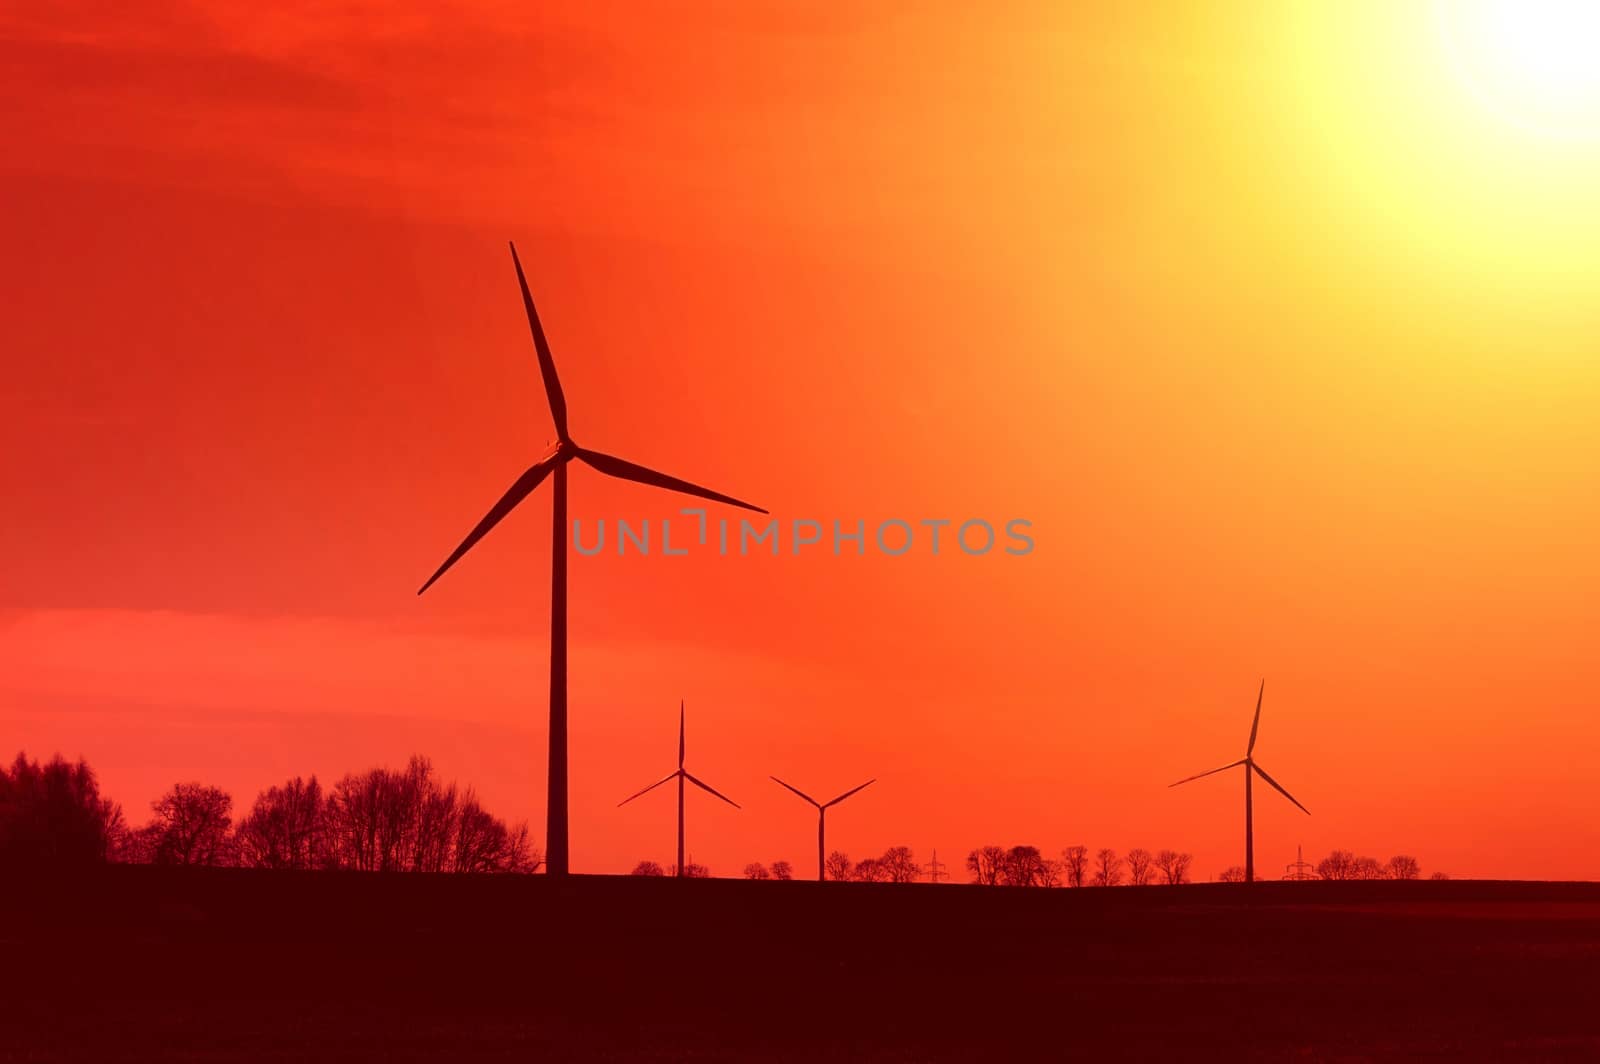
[{"x": 143, "y": 964}]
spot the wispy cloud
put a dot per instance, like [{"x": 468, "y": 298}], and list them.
[
  {"x": 490, "y": 111},
  {"x": 244, "y": 98}
]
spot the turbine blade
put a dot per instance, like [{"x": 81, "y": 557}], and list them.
[
  {"x": 547, "y": 364},
  {"x": 796, "y": 790},
  {"x": 515, "y": 494},
  {"x": 680, "y": 733},
  {"x": 616, "y": 467},
  {"x": 1213, "y": 772},
  {"x": 1255, "y": 724},
  {"x": 704, "y": 786},
  {"x": 647, "y": 790},
  {"x": 851, "y": 791},
  {"x": 1278, "y": 787}
]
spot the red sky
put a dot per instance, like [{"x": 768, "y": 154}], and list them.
[{"x": 1285, "y": 351}]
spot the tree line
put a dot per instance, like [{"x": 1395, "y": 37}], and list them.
[
  {"x": 1078, "y": 866},
  {"x": 1027, "y": 866},
  {"x": 897, "y": 864},
  {"x": 378, "y": 820},
  {"x": 52, "y": 814},
  {"x": 1343, "y": 865}
]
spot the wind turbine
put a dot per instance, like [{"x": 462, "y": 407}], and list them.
[
  {"x": 554, "y": 461},
  {"x": 822, "y": 815},
  {"x": 1251, "y": 769},
  {"x": 681, "y": 775}
]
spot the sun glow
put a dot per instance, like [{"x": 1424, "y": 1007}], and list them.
[{"x": 1536, "y": 62}]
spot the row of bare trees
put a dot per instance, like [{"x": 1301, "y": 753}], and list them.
[
  {"x": 409, "y": 820},
  {"x": 1015, "y": 866},
  {"x": 1342, "y": 864},
  {"x": 655, "y": 868},
  {"x": 898, "y": 864},
  {"x": 380, "y": 820},
  {"x": 1027, "y": 866},
  {"x": 775, "y": 870}
]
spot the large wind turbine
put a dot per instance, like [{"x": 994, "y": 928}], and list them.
[
  {"x": 554, "y": 461},
  {"x": 1251, "y": 769},
  {"x": 822, "y": 815},
  {"x": 681, "y": 775}
]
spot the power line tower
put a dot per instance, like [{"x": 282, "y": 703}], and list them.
[
  {"x": 1299, "y": 870},
  {"x": 936, "y": 870}
]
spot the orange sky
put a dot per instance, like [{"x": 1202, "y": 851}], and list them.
[{"x": 1285, "y": 347}]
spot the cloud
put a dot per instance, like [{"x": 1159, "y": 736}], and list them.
[
  {"x": 596, "y": 118},
  {"x": 282, "y": 97}
]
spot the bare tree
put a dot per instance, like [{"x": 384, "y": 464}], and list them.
[
  {"x": 1107, "y": 868},
  {"x": 284, "y": 827},
  {"x": 1141, "y": 867},
  {"x": 1369, "y": 868},
  {"x": 388, "y": 821},
  {"x": 191, "y": 825},
  {"x": 781, "y": 870},
  {"x": 1340, "y": 864},
  {"x": 437, "y": 811},
  {"x": 648, "y": 868},
  {"x": 367, "y": 820},
  {"x": 1404, "y": 866},
  {"x": 483, "y": 842},
  {"x": 52, "y": 815},
  {"x": 1075, "y": 865},
  {"x": 838, "y": 865},
  {"x": 1439, "y": 877},
  {"x": 756, "y": 870},
  {"x": 1049, "y": 873},
  {"x": 870, "y": 870},
  {"x": 1231, "y": 874},
  {"x": 899, "y": 865},
  {"x": 1023, "y": 866},
  {"x": 987, "y": 865},
  {"x": 477, "y": 841},
  {"x": 1174, "y": 866},
  {"x": 531, "y": 857}
]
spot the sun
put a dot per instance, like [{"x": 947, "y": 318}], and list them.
[{"x": 1535, "y": 62}]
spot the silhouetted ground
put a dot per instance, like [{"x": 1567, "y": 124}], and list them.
[{"x": 222, "y": 965}]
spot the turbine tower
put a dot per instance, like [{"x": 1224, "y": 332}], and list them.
[
  {"x": 681, "y": 775},
  {"x": 1251, "y": 770},
  {"x": 822, "y": 815},
  {"x": 554, "y": 461}
]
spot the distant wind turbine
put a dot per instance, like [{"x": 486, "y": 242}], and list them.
[
  {"x": 681, "y": 775},
  {"x": 555, "y": 461},
  {"x": 822, "y": 815},
  {"x": 1251, "y": 769}
]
